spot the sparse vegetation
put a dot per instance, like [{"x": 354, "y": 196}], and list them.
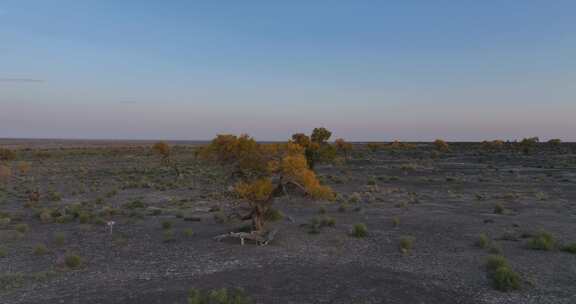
[
  {"x": 542, "y": 241},
  {"x": 406, "y": 244},
  {"x": 359, "y": 230},
  {"x": 218, "y": 296},
  {"x": 502, "y": 276},
  {"x": 73, "y": 261}
]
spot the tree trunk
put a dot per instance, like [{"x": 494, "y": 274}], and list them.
[{"x": 258, "y": 218}]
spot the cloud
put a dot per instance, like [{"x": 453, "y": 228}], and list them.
[{"x": 29, "y": 80}]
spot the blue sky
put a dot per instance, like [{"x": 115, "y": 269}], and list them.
[{"x": 368, "y": 70}]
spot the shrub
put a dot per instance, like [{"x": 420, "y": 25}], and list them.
[
  {"x": 343, "y": 207},
  {"x": 7, "y": 154},
  {"x": 494, "y": 262},
  {"x": 359, "y": 230},
  {"x": 570, "y": 248},
  {"x": 542, "y": 241},
  {"x": 3, "y": 252},
  {"x": 168, "y": 235},
  {"x": 59, "y": 238},
  {"x": 218, "y": 296},
  {"x": 166, "y": 224},
  {"x": 84, "y": 217},
  {"x": 5, "y": 173},
  {"x": 72, "y": 261},
  {"x": 441, "y": 145},
  {"x": 327, "y": 221},
  {"x": 273, "y": 215},
  {"x": 406, "y": 244},
  {"x": 22, "y": 228},
  {"x": 505, "y": 279},
  {"x": 40, "y": 249},
  {"x": 395, "y": 221},
  {"x": 188, "y": 232},
  {"x": 483, "y": 241},
  {"x": 498, "y": 209}
]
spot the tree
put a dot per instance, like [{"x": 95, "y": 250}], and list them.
[
  {"x": 165, "y": 152},
  {"x": 320, "y": 135},
  {"x": 343, "y": 147},
  {"x": 528, "y": 144},
  {"x": 268, "y": 171},
  {"x": 316, "y": 147},
  {"x": 7, "y": 154},
  {"x": 162, "y": 149},
  {"x": 441, "y": 145}
]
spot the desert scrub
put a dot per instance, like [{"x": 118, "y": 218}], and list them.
[
  {"x": 168, "y": 236},
  {"x": 343, "y": 207},
  {"x": 273, "y": 215},
  {"x": 395, "y": 221},
  {"x": 570, "y": 248},
  {"x": 406, "y": 244},
  {"x": 502, "y": 276},
  {"x": 166, "y": 224},
  {"x": 542, "y": 241},
  {"x": 40, "y": 249},
  {"x": 22, "y": 228},
  {"x": 498, "y": 209},
  {"x": 505, "y": 279},
  {"x": 3, "y": 252},
  {"x": 14, "y": 280},
  {"x": 188, "y": 232},
  {"x": 72, "y": 261},
  {"x": 59, "y": 238},
  {"x": 359, "y": 230},
  {"x": 483, "y": 241},
  {"x": 218, "y": 296}
]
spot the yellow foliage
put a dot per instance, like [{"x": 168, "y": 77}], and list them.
[
  {"x": 259, "y": 190},
  {"x": 23, "y": 167},
  {"x": 441, "y": 145},
  {"x": 5, "y": 173},
  {"x": 162, "y": 148}
]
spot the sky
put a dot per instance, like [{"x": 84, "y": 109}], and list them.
[{"x": 367, "y": 70}]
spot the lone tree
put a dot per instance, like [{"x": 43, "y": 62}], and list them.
[
  {"x": 165, "y": 151},
  {"x": 343, "y": 147},
  {"x": 265, "y": 171},
  {"x": 316, "y": 146},
  {"x": 441, "y": 145}
]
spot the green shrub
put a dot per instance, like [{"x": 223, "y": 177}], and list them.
[
  {"x": 406, "y": 244},
  {"x": 494, "y": 262},
  {"x": 73, "y": 261},
  {"x": 218, "y": 296},
  {"x": 498, "y": 209},
  {"x": 343, "y": 207},
  {"x": 395, "y": 221},
  {"x": 570, "y": 248},
  {"x": 188, "y": 232},
  {"x": 168, "y": 235},
  {"x": 359, "y": 230},
  {"x": 166, "y": 224},
  {"x": 505, "y": 279},
  {"x": 22, "y": 228},
  {"x": 327, "y": 221},
  {"x": 59, "y": 238},
  {"x": 3, "y": 252},
  {"x": 483, "y": 241},
  {"x": 40, "y": 249},
  {"x": 273, "y": 215},
  {"x": 542, "y": 241},
  {"x": 84, "y": 217}
]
